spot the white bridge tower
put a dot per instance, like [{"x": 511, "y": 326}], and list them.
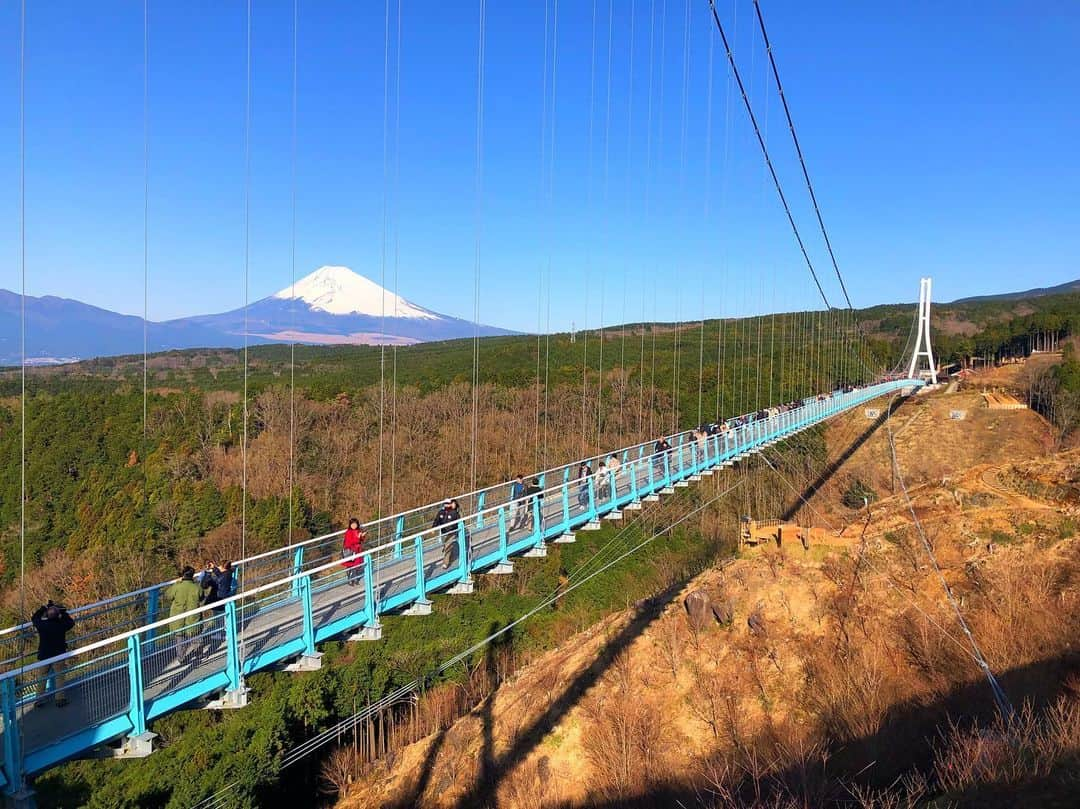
[{"x": 922, "y": 335}]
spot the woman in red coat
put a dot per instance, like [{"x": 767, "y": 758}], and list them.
[{"x": 353, "y": 545}]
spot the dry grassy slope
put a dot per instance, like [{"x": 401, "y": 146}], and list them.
[
  {"x": 700, "y": 693},
  {"x": 931, "y": 447}
]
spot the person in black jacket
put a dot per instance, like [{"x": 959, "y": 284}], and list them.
[
  {"x": 217, "y": 584},
  {"x": 534, "y": 494},
  {"x": 446, "y": 520},
  {"x": 52, "y": 623}
]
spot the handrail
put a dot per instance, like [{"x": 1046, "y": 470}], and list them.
[
  {"x": 335, "y": 563},
  {"x": 291, "y": 548}
]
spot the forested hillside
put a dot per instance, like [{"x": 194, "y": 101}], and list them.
[{"x": 115, "y": 501}]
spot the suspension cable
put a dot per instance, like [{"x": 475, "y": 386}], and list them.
[
  {"x": 999, "y": 694},
  {"x": 798, "y": 149},
  {"x": 765, "y": 152},
  {"x": 307, "y": 747}
]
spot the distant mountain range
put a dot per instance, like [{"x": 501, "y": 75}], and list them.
[
  {"x": 332, "y": 305},
  {"x": 1038, "y": 292}
]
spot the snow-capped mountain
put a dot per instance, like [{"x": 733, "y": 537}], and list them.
[
  {"x": 337, "y": 305},
  {"x": 332, "y": 305},
  {"x": 340, "y": 291}
]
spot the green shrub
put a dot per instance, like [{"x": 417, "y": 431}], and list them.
[{"x": 857, "y": 494}]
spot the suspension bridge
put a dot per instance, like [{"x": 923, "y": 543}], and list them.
[
  {"x": 130, "y": 662},
  {"x": 117, "y": 680}
]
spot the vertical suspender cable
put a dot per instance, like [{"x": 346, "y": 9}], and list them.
[
  {"x": 481, "y": 44},
  {"x": 629, "y": 165},
  {"x": 647, "y": 211},
  {"x": 292, "y": 268},
  {"x": 722, "y": 338},
  {"x": 146, "y": 264},
  {"x": 382, "y": 249},
  {"x": 551, "y": 212},
  {"x": 542, "y": 197},
  {"x": 397, "y": 256},
  {"x": 551, "y": 203},
  {"x": 247, "y": 265},
  {"x": 708, "y": 190},
  {"x": 683, "y": 130},
  {"x": 23, "y": 651},
  {"x": 606, "y": 227},
  {"x": 585, "y": 420}
]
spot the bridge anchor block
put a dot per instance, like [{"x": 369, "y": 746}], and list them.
[
  {"x": 138, "y": 746},
  {"x": 306, "y": 662},
  {"x": 419, "y": 608},
  {"x": 229, "y": 700},
  {"x": 373, "y": 632},
  {"x": 462, "y": 588}
]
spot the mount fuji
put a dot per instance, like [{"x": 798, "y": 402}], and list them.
[
  {"x": 331, "y": 306},
  {"x": 335, "y": 305}
]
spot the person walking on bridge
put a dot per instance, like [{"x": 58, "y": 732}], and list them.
[
  {"x": 534, "y": 503},
  {"x": 660, "y": 451},
  {"x": 351, "y": 548},
  {"x": 446, "y": 520},
  {"x": 52, "y": 623},
  {"x": 517, "y": 497},
  {"x": 584, "y": 473},
  {"x": 217, "y": 585},
  {"x": 184, "y": 596}
]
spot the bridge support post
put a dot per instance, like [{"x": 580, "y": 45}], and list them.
[
  {"x": 153, "y": 599},
  {"x": 140, "y": 742},
  {"x": 399, "y": 532},
  {"x": 537, "y": 551},
  {"x": 18, "y": 794},
  {"x": 236, "y": 693},
  {"x": 666, "y": 487},
  {"x": 480, "y": 509},
  {"x": 298, "y": 566},
  {"x": 593, "y": 524},
  {"x": 372, "y": 629},
  {"x": 504, "y": 565},
  {"x": 464, "y": 585},
  {"x": 422, "y": 605},
  {"x": 310, "y": 659},
  {"x": 635, "y": 499}
]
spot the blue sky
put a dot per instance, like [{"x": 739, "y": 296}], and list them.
[{"x": 941, "y": 139}]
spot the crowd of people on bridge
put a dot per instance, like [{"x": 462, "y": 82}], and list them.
[{"x": 216, "y": 581}]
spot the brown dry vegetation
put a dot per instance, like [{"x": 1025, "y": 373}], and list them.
[
  {"x": 344, "y": 465},
  {"x": 844, "y": 678}
]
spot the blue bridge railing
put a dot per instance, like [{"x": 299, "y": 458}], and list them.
[{"x": 130, "y": 665}]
